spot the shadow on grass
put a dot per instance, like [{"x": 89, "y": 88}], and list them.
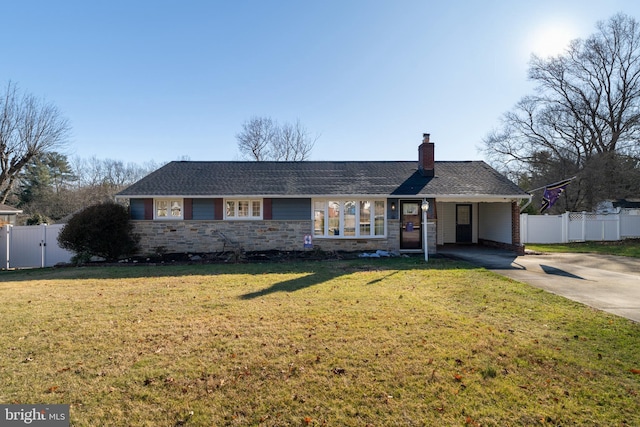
[
  {"x": 317, "y": 271},
  {"x": 328, "y": 271},
  {"x": 373, "y": 282},
  {"x": 292, "y": 285}
]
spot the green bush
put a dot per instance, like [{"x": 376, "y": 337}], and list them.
[
  {"x": 37, "y": 219},
  {"x": 102, "y": 230}
]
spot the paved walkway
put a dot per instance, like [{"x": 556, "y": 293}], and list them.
[{"x": 606, "y": 282}]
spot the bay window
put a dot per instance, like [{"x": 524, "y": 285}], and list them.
[
  {"x": 334, "y": 218},
  {"x": 319, "y": 210},
  {"x": 365, "y": 218},
  {"x": 349, "y": 218}
]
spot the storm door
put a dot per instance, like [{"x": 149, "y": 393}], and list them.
[
  {"x": 410, "y": 232},
  {"x": 463, "y": 224}
]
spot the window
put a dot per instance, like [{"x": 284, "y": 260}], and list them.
[
  {"x": 243, "y": 209},
  {"x": 365, "y": 218},
  {"x": 231, "y": 208},
  {"x": 168, "y": 209},
  {"x": 349, "y": 218},
  {"x": 318, "y": 218},
  {"x": 334, "y": 218}
]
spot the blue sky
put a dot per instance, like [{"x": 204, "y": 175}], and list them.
[{"x": 167, "y": 80}]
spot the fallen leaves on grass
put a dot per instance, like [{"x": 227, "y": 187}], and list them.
[{"x": 470, "y": 422}]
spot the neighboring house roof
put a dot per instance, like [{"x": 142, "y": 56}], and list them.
[
  {"x": 312, "y": 178},
  {"x": 8, "y": 210},
  {"x": 627, "y": 203}
]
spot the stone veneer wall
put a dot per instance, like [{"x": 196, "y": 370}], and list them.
[
  {"x": 207, "y": 236},
  {"x": 432, "y": 235}
]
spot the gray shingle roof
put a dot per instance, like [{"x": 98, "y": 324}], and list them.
[
  {"x": 6, "y": 209},
  {"x": 312, "y": 178}
]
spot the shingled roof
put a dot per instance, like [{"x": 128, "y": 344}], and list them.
[
  {"x": 314, "y": 178},
  {"x": 8, "y": 210}
]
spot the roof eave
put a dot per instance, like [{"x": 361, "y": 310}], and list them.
[
  {"x": 489, "y": 198},
  {"x": 442, "y": 197}
]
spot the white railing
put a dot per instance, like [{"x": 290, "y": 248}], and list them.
[
  {"x": 31, "y": 246},
  {"x": 580, "y": 227}
]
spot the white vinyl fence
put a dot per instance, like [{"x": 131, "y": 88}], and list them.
[
  {"x": 580, "y": 227},
  {"x": 31, "y": 246}
]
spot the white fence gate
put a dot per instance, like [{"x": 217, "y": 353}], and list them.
[
  {"x": 580, "y": 227},
  {"x": 31, "y": 246}
]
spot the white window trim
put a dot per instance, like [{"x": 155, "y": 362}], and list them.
[
  {"x": 357, "y": 235},
  {"x": 169, "y": 200},
  {"x": 243, "y": 218}
]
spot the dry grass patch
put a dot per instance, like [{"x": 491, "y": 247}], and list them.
[{"x": 353, "y": 343}]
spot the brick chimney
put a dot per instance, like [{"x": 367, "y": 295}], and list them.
[{"x": 426, "y": 158}]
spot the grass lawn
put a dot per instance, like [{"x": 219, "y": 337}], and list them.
[
  {"x": 627, "y": 247},
  {"x": 371, "y": 342}
]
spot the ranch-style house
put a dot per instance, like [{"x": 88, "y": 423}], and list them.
[{"x": 209, "y": 206}]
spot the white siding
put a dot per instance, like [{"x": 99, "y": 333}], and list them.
[
  {"x": 494, "y": 222},
  {"x": 447, "y": 222}
]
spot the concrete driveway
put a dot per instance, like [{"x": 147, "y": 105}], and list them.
[{"x": 606, "y": 282}]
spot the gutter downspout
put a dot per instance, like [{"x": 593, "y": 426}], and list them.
[{"x": 526, "y": 204}]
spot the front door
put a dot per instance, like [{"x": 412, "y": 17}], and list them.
[
  {"x": 410, "y": 232},
  {"x": 463, "y": 224}
]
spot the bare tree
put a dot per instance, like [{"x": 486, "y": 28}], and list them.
[
  {"x": 94, "y": 172},
  {"x": 51, "y": 187},
  {"x": 584, "y": 119},
  {"x": 254, "y": 142},
  {"x": 263, "y": 139},
  {"x": 293, "y": 143},
  {"x": 28, "y": 127}
]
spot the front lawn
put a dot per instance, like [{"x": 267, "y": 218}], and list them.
[
  {"x": 378, "y": 342},
  {"x": 627, "y": 247}
]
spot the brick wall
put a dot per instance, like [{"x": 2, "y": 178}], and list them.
[
  {"x": 515, "y": 229},
  {"x": 515, "y": 223}
]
